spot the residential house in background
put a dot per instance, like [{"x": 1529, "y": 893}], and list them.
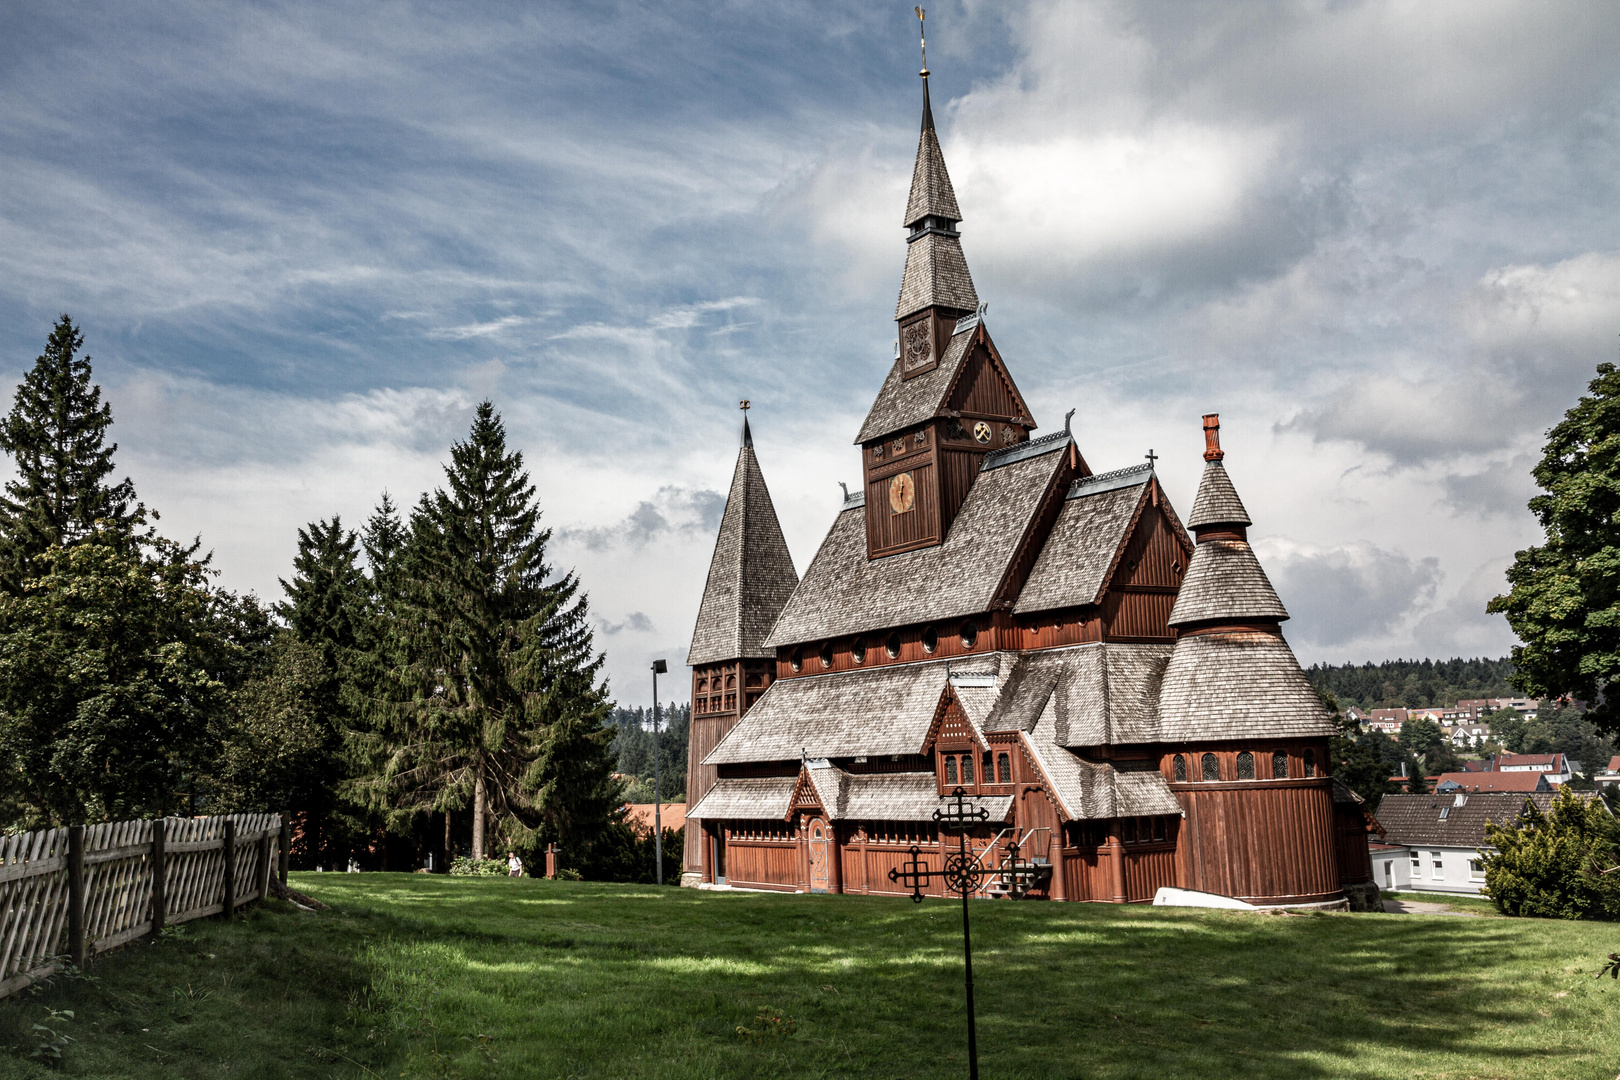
[
  {"x": 1610, "y": 776},
  {"x": 1490, "y": 781},
  {"x": 1556, "y": 767},
  {"x": 1436, "y": 843}
]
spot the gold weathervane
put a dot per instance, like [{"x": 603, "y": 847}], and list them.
[
  {"x": 743, "y": 404},
  {"x": 923, "y": 36}
]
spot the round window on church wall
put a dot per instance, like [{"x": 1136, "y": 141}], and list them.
[
  {"x": 930, "y": 639},
  {"x": 892, "y": 646},
  {"x": 796, "y": 661},
  {"x": 970, "y": 634},
  {"x": 857, "y": 650},
  {"x": 826, "y": 654}
]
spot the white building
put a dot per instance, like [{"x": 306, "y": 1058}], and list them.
[{"x": 1436, "y": 843}]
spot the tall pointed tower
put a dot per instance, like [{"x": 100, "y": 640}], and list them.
[
  {"x": 948, "y": 400},
  {"x": 750, "y": 578}
]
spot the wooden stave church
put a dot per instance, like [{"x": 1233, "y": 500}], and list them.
[{"x": 988, "y": 613}]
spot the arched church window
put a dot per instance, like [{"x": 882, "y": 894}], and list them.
[
  {"x": 970, "y": 634},
  {"x": 1004, "y": 768},
  {"x": 892, "y": 646},
  {"x": 950, "y": 769},
  {"x": 1245, "y": 766},
  {"x": 826, "y": 654},
  {"x": 967, "y": 768},
  {"x": 1310, "y": 763},
  {"x": 1178, "y": 768},
  {"x": 857, "y": 650},
  {"x": 1212, "y": 768},
  {"x": 930, "y": 639},
  {"x": 1279, "y": 765},
  {"x": 796, "y": 661}
]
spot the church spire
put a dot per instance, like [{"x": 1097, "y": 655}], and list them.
[
  {"x": 936, "y": 274},
  {"x": 751, "y": 574}
]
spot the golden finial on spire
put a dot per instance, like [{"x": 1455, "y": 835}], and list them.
[
  {"x": 923, "y": 36},
  {"x": 744, "y": 404}
]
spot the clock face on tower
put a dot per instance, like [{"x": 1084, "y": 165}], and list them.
[{"x": 902, "y": 493}]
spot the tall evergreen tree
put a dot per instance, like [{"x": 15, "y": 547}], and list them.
[
  {"x": 502, "y": 708},
  {"x": 327, "y": 592},
  {"x": 56, "y": 433},
  {"x": 325, "y": 610}
]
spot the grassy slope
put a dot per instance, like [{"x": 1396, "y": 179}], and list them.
[{"x": 418, "y": 976}]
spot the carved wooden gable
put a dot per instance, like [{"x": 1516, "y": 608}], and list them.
[
  {"x": 983, "y": 387},
  {"x": 1146, "y": 574},
  {"x": 951, "y": 728},
  {"x": 805, "y": 796}
]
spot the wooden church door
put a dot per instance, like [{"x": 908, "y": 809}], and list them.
[{"x": 817, "y": 831}]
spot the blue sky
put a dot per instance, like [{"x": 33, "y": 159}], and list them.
[{"x": 303, "y": 241}]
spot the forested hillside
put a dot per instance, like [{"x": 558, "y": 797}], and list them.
[
  {"x": 1412, "y": 684},
  {"x": 633, "y": 742}
]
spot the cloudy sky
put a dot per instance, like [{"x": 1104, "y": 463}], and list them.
[{"x": 303, "y": 241}]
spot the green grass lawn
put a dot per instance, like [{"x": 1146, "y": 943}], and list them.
[{"x": 416, "y": 976}]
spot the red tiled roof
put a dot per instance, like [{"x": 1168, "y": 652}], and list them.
[
  {"x": 1614, "y": 764},
  {"x": 639, "y": 816},
  {"x": 1494, "y": 781}
]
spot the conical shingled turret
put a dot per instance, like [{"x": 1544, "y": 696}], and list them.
[
  {"x": 936, "y": 272},
  {"x": 751, "y": 575},
  {"x": 1224, "y": 582},
  {"x": 1231, "y": 674}
]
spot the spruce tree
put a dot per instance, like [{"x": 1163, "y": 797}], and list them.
[
  {"x": 56, "y": 433},
  {"x": 327, "y": 591},
  {"x": 502, "y": 709},
  {"x": 325, "y": 610}
]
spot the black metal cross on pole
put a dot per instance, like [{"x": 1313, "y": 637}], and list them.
[{"x": 961, "y": 873}]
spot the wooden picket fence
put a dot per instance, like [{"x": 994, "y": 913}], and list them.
[{"x": 67, "y": 895}]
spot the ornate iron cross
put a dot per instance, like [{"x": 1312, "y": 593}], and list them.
[
  {"x": 962, "y": 874},
  {"x": 913, "y": 874}
]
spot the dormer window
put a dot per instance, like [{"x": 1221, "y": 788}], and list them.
[
  {"x": 1004, "y": 768},
  {"x": 950, "y": 769}
]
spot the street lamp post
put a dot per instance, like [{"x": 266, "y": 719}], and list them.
[{"x": 659, "y": 667}]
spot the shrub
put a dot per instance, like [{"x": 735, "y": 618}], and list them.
[
  {"x": 1553, "y": 865},
  {"x": 467, "y": 866}
]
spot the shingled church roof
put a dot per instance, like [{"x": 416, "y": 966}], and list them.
[
  {"x": 844, "y": 592},
  {"x": 751, "y": 574},
  {"x": 1225, "y": 582},
  {"x": 1072, "y": 567},
  {"x": 884, "y": 710},
  {"x": 1217, "y": 502}
]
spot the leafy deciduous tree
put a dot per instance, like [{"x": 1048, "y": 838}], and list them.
[{"x": 1564, "y": 601}]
